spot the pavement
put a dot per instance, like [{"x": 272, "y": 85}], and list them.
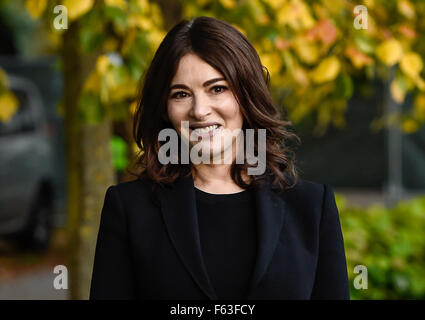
[
  {"x": 27, "y": 275},
  {"x": 35, "y": 285}
]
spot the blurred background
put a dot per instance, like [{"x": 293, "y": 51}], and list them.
[{"x": 348, "y": 74}]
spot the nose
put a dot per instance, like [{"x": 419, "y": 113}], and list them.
[{"x": 201, "y": 107}]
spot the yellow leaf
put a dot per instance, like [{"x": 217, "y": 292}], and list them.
[
  {"x": 36, "y": 7},
  {"x": 275, "y": 4},
  {"x": 228, "y": 4},
  {"x": 296, "y": 14},
  {"x": 419, "y": 106},
  {"x": 8, "y": 106},
  {"x": 307, "y": 51},
  {"x": 327, "y": 70},
  {"x": 369, "y": 3},
  {"x": 110, "y": 80},
  {"x": 133, "y": 106},
  {"x": 272, "y": 61},
  {"x": 409, "y": 126},
  {"x": 145, "y": 23},
  {"x": 77, "y": 8},
  {"x": 155, "y": 37},
  {"x": 406, "y": 8},
  {"x": 123, "y": 91},
  {"x": 102, "y": 64},
  {"x": 411, "y": 64},
  {"x": 301, "y": 76},
  {"x": 143, "y": 5},
  {"x": 117, "y": 3},
  {"x": 389, "y": 52},
  {"x": 141, "y": 21},
  {"x": 420, "y": 83},
  {"x": 305, "y": 18},
  {"x": 397, "y": 92},
  {"x": 156, "y": 15},
  {"x": 334, "y": 7},
  {"x": 92, "y": 82}
]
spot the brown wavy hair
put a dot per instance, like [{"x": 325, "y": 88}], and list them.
[{"x": 228, "y": 51}]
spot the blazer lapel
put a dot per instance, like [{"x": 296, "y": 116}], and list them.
[
  {"x": 271, "y": 211},
  {"x": 178, "y": 204}
]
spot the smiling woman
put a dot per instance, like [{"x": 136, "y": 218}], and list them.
[
  {"x": 208, "y": 73},
  {"x": 186, "y": 230},
  {"x": 205, "y": 102}
]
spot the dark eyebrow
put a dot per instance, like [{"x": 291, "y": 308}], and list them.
[{"x": 205, "y": 84}]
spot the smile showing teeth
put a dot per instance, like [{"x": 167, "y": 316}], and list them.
[{"x": 206, "y": 129}]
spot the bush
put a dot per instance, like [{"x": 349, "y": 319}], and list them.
[{"x": 390, "y": 242}]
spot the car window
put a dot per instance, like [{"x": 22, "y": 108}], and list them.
[{"x": 23, "y": 120}]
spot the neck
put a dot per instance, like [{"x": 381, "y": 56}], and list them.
[
  {"x": 209, "y": 176},
  {"x": 214, "y": 178}
]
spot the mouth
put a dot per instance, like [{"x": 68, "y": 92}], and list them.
[{"x": 205, "y": 129}]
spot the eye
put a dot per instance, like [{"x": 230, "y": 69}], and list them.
[
  {"x": 179, "y": 95},
  {"x": 219, "y": 89}
]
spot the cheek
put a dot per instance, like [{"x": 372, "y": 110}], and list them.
[
  {"x": 175, "y": 115},
  {"x": 233, "y": 114}
]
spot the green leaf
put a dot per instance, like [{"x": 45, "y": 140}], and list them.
[
  {"x": 364, "y": 44},
  {"x": 344, "y": 87},
  {"x": 90, "y": 39},
  {"x": 119, "y": 153}
]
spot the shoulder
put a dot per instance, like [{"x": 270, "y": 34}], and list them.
[
  {"x": 307, "y": 190},
  {"x": 308, "y": 196},
  {"x": 132, "y": 186},
  {"x": 134, "y": 192},
  {"x": 307, "y": 201}
]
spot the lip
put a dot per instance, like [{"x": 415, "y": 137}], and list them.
[
  {"x": 206, "y": 134},
  {"x": 203, "y": 125}
]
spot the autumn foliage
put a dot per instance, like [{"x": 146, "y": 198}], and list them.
[{"x": 312, "y": 50}]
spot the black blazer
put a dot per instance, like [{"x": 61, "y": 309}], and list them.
[{"x": 151, "y": 250}]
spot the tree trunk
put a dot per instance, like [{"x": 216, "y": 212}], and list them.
[
  {"x": 98, "y": 174},
  {"x": 88, "y": 165},
  {"x": 171, "y": 12}
]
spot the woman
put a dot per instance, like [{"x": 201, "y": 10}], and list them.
[{"x": 190, "y": 229}]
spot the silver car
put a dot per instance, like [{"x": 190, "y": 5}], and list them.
[{"x": 26, "y": 170}]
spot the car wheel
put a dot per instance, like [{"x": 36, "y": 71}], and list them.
[{"x": 37, "y": 234}]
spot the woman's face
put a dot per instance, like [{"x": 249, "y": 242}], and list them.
[{"x": 200, "y": 95}]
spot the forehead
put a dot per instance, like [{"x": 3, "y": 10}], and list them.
[{"x": 192, "y": 69}]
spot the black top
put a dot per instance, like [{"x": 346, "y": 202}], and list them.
[{"x": 227, "y": 226}]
